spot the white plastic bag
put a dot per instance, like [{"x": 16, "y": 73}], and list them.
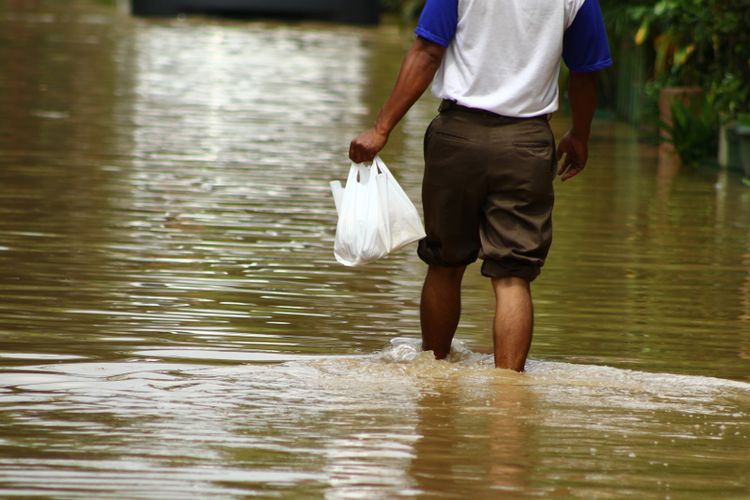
[{"x": 376, "y": 216}]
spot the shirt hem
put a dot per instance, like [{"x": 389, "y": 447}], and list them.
[
  {"x": 590, "y": 68},
  {"x": 423, "y": 33}
]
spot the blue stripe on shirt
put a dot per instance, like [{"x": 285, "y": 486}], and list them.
[
  {"x": 438, "y": 21},
  {"x": 585, "y": 46}
]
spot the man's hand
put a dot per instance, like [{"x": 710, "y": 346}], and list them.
[
  {"x": 576, "y": 154},
  {"x": 574, "y": 144},
  {"x": 366, "y": 145}
]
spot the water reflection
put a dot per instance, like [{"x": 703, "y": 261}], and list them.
[{"x": 476, "y": 442}]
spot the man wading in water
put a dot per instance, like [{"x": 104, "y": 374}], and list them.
[{"x": 490, "y": 155}]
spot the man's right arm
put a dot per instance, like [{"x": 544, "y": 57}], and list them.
[{"x": 417, "y": 71}]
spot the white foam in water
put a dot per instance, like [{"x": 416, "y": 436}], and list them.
[
  {"x": 407, "y": 350},
  {"x": 557, "y": 382}
]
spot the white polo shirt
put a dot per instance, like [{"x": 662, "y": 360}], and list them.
[{"x": 504, "y": 55}]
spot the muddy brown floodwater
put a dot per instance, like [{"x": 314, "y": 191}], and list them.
[{"x": 173, "y": 323}]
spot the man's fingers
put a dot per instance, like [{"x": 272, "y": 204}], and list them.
[
  {"x": 565, "y": 165},
  {"x": 366, "y": 146},
  {"x": 571, "y": 171},
  {"x": 570, "y": 168},
  {"x": 358, "y": 157},
  {"x": 357, "y": 152}
]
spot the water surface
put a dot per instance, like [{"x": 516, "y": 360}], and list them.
[{"x": 173, "y": 323}]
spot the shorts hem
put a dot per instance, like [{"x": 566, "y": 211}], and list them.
[
  {"x": 495, "y": 269},
  {"x": 429, "y": 257}
]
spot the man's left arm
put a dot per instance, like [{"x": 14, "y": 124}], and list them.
[{"x": 573, "y": 145}]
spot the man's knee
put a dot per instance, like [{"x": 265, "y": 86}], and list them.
[
  {"x": 510, "y": 283},
  {"x": 446, "y": 273}
]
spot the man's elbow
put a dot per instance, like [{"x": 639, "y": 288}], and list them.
[{"x": 430, "y": 52}]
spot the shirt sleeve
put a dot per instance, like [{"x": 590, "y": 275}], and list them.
[
  {"x": 585, "y": 45},
  {"x": 438, "y": 21}
]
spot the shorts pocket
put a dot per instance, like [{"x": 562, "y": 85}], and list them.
[
  {"x": 452, "y": 129},
  {"x": 544, "y": 150},
  {"x": 451, "y": 136}
]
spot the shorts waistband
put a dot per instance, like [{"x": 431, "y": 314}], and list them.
[{"x": 450, "y": 105}]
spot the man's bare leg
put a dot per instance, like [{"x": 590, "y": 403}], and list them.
[
  {"x": 514, "y": 322},
  {"x": 440, "y": 308}
]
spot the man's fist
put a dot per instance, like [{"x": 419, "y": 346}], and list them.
[{"x": 366, "y": 145}]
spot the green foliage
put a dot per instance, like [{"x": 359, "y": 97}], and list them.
[
  {"x": 700, "y": 42},
  {"x": 623, "y": 17},
  {"x": 390, "y": 5},
  {"x": 408, "y": 10},
  {"x": 693, "y": 131}
]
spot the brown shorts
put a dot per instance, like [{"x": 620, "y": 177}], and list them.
[{"x": 487, "y": 191}]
